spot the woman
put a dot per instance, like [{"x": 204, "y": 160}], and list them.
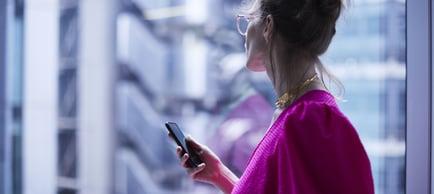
[{"x": 311, "y": 147}]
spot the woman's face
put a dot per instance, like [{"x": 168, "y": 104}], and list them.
[{"x": 255, "y": 46}]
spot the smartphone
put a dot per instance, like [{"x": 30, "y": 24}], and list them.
[{"x": 193, "y": 159}]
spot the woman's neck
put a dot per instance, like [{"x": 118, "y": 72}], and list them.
[
  {"x": 291, "y": 69},
  {"x": 316, "y": 85},
  {"x": 291, "y": 85}
]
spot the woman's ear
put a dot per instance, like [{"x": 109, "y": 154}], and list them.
[{"x": 268, "y": 28}]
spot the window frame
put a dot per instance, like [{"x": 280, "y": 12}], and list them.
[
  {"x": 4, "y": 130},
  {"x": 418, "y": 82}
]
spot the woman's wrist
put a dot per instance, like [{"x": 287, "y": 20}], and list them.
[{"x": 225, "y": 180}]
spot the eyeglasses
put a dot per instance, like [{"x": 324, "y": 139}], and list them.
[{"x": 243, "y": 22}]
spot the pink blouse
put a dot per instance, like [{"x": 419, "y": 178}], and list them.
[{"x": 311, "y": 148}]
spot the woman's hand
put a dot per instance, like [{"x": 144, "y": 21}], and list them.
[
  {"x": 206, "y": 172},
  {"x": 211, "y": 171}
]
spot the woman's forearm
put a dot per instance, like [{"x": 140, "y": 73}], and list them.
[{"x": 226, "y": 180}]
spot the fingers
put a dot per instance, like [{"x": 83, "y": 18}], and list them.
[
  {"x": 194, "y": 171},
  {"x": 199, "y": 149},
  {"x": 179, "y": 151},
  {"x": 184, "y": 159},
  {"x": 191, "y": 171}
]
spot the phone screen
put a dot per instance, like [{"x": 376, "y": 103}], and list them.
[{"x": 194, "y": 159}]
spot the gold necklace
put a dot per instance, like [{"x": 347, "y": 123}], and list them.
[{"x": 288, "y": 97}]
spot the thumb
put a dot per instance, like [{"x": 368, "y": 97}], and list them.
[{"x": 194, "y": 144}]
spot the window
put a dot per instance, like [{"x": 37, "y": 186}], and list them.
[
  {"x": 184, "y": 64},
  {"x": 67, "y": 156}
]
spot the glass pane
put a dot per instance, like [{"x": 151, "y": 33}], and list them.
[
  {"x": 183, "y": 61},
  {"x": 374, "y": 76},
  {"x": 67, "y": 154},
  {"x": 67, "y": 151},
  {"x": 15, "y": 67},
  {"x": 66, "y": 191}
]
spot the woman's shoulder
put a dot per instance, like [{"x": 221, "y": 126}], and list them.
[
  {"x": 315, "y": 104},
  {"x": 316, "y": 111},
  {"x": 316, "y": 133}
]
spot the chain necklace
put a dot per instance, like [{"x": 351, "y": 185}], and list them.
[{"x": 288, "y": 97}]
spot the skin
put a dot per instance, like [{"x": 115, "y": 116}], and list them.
[{"x": 258, "y": 38}]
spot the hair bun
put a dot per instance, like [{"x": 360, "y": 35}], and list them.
[{"x": 329, "y": 8}]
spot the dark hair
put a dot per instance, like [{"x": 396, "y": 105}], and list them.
[{"x": 306, "y": 26}]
